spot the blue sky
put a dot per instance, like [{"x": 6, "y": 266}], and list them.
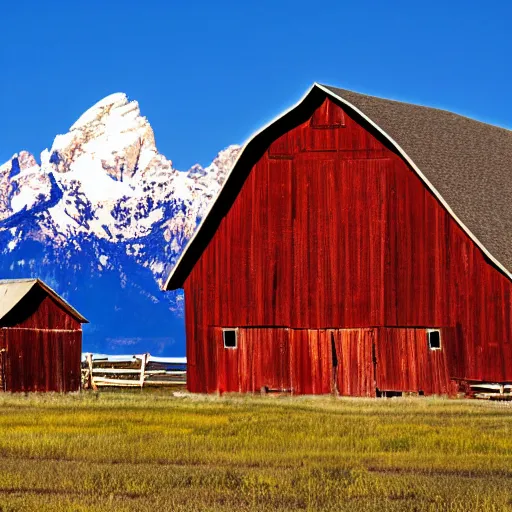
[{"x": 208, "y": 74}]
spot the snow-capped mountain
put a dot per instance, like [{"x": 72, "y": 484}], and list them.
[{"x": 101, "y": 219}]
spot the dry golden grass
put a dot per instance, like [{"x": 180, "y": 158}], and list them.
[{"x": 150, "y": 451}]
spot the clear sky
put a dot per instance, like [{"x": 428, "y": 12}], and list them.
[{"x": 209, "y": 73}]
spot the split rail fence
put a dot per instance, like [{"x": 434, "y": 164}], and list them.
[
  {"x": 490, "y": 391},
  {"x": 99, "y": 370}
]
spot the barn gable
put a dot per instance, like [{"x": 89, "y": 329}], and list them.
[
  {"x": 20, "y": 298},
  {"x": 465, "y": 159}
]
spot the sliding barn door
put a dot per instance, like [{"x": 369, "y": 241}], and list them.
[
  {"x": 259, "y": 361},
  {"x": 354, "y": 354},
  {"x": 406, "y": 363},
  {"x": 311, "y": 362}
]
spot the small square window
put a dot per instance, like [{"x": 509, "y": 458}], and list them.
[
  {"x": 434, "y": 339},
  {"x": 230, "y": 337}
]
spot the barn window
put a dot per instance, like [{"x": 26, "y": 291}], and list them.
[
  {"x": 230, "y": 337},
  {"x": 434, "y": 339}
]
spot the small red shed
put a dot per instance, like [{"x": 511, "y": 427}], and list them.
[
  {"x": 359, "y": 245},
  {"x": 40, "y": 338}
]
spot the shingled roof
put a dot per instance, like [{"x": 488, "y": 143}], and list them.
[{"x": 467, "y": 164}]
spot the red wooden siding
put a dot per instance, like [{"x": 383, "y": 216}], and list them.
[
  {"x": 405, "y": 363},
  {"x": 41, "y": 310},
  {"x": 43, "y": 346},
  {"x": 300, "y": 361},
  {"x": 41, "y": 360},
  {"x": 355, "y": 373},
  {"x": 262, "y": 359},
  {"x": 311, "y": 362},
  {"x": 333, "y": 230},
  {"x": 276, "y": 359}
]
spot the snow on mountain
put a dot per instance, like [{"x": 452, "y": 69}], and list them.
[{"x": 105, "y": 208}]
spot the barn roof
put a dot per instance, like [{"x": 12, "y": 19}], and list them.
[
  {"x": 13, "y": 290},
  {"x": 465, "y": 163}
]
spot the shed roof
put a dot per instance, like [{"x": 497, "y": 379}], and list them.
[
  {"x": 13, "y": 290},
  {"x": 465, "y": 163}
]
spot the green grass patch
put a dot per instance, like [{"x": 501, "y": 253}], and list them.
[{"x": 138, "y": 451}]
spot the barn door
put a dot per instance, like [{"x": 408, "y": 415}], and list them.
[
  {"x": 311, "y": 361},
  {"x": 354, "y": 350},
  {"x": 250, "y": 360},
  {"x": 227, "y": 354},
  {"x": 408, "y": 363}
]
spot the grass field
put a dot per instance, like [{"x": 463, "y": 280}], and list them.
[{"x": 150, "y": 451}]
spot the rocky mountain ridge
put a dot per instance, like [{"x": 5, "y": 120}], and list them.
[{"x": 106, "y": 206}]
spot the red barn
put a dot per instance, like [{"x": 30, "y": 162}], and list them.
[
  {"x": 360, "y": 246},
  {"x": 40, "y": 338}
]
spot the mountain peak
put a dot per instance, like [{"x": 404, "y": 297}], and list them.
[
  {"x": 116, "y": 97},
  {"x": 102, "y": 108},
  {"x": 112, "y": 133}
]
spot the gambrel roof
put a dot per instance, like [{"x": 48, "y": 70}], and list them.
[{"x": 465, "y": 163}]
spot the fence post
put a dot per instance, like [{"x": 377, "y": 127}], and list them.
[
  {"x": 91, "y": 377},
  {"x": 144, "y": 359}
]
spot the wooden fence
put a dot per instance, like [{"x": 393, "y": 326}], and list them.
[
  {"x": 491, "y": 391},
  {"x": 99, "y": 370}
]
